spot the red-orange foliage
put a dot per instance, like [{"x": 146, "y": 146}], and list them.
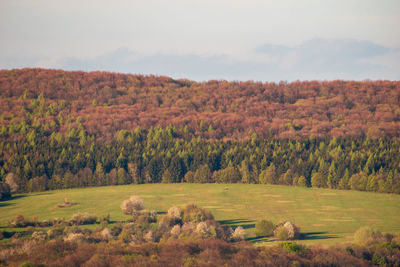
[{"x": 282, "y": 110}]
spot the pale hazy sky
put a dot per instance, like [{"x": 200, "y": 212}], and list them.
[{"x": 206, "y": 39}]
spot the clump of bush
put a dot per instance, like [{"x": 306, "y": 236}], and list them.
[
  {"x": 239, "y": 234},
  {"x": 20, "y": 221},
  {"x": 367, "y": 235},
  {"x": 39, "y": 235},
  {"x": 264, "y": 228},
  {"x": 193, "y": 213},
  {"x": 132, "y": 205},
  {"x": 287, "y": 231},
  {"x": 292, "y": 247},
  {"x": 83, "y": 218}
]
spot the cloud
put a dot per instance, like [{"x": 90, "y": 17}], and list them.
[
  {"x": 320, "y": 59},
  {"x": 327, "y": 58}
]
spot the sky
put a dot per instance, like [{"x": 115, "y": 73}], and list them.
[{"x": 258, "y": 40}]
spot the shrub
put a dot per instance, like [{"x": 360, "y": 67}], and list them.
[
  {"x": 20, "y": 221},
  {"x": 105, "y": 220},
  {"x": 117, "y": 228},
  {"x": 239, "y": 234},
  {"x": 264, "y": 228},
  {"x": 281, "y": 233},
  {"x": 106, "y": 234},
  {"x": 174, "y": 212},
  {"x": 287, "y": 231},
  {"x": 74, "y": 236},
  {"x": 149, "y": 236},
  {"x": 176, "y": 230},
  {"x": 366, "y": 235},
  {"x": 27, "y": 264},
  {"x": 292, "y": 247},
  {"x": 145, "y": 218},
  {"x": 39, "y": 235},
  {"x": 132, "y": 205},
  {"x": 202, "y": 229},
  {"x": 83, "y": 218},
  {"x": 192, "y": 213},
  {"x": 188, "y": 228},
  {"x": 396, "y": 240},
  {"x": 54, "y": 232}
]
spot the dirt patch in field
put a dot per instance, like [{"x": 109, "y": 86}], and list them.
[{"x": 65, "y": 204}]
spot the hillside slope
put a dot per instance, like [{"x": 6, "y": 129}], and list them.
[{"x": 108, "y": 102}]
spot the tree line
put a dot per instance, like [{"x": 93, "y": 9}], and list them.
[{"x": 34, "y": 161}]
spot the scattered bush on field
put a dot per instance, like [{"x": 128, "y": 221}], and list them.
[
  {"x": 174, "y": 212},
  {"x": 188, "y": 228},
  {"x": 239, "y": 234},
  {"x": 149, "y": 236},
  {"x": 144, "y": 218},
  {"x": 106, "y": 234},
  {"x": 83, "y": 218},
  {"x": 202, "y": 229},
  {"x": 132, "y": 206},
  {"x": 193, "y": 213},
  {"x": 264, "y": 228},
  {"x": 117, "y": 229},
  {"x": 55, "y": 231},
  {"x": 176, "y": 230},
  {"x": 20, "y": 221},
  {"x": 287, "y": 231},
  {"x": 39, "y": 235},
  {"x": 281, "y": 233},
  {"x": 366, "y": 235},
  {"x": 74, "y": 236},
  {"x": 105, "y": 220},
  {"x": 292, "y": 247}
]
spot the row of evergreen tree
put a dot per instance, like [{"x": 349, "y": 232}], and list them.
[{"x": 31, "y": 159}]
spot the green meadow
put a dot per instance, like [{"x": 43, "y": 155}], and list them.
[{"x": 324, "y": 216}]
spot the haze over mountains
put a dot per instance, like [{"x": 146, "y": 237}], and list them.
[{"x": 315, "y": 59}]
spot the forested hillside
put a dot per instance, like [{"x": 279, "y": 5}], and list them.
[
  {"x": 75, "y": 129},
  {"x": 108, "y": 102}
]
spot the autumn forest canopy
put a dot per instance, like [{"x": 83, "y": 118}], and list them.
[
  {"x": 64, "y": 129},
  {"x": 107, "y": 102}
]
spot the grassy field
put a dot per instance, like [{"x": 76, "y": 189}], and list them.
[{"x": 325, "y": 216}]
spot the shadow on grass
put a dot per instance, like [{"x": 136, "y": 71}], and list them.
[
  {"x": 6, "y": 202},
  {"x": 316, "y": 235},
  {"x": 256, "y": 239},
  {"x": 246, "y": 224},
  {"x": 16, "y": 197}
]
